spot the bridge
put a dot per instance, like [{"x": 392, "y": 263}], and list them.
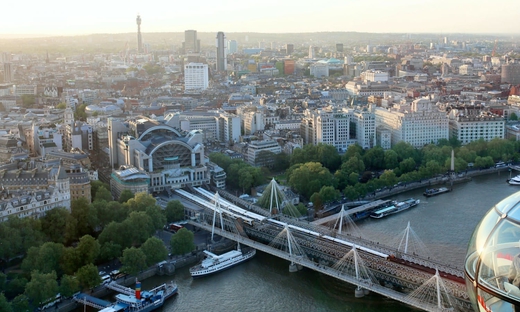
[{"x": 393, "y": 273}]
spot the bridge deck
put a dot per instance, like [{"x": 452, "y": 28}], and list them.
[
  {"x": 384, "y": 291},
  {"x": 357, "y": 210}
]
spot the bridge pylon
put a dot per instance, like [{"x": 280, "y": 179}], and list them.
[
  {"x": 433, "y": 292},
  {"x": 410, "y": 243},
  {"x": 352, "y": 265},
  {"x": 285, "y": 241},
  {"x": 275, "y": 200},
  {"x": 219, "y": 210}
]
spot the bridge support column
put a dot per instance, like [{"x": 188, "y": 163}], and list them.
[
  {"x": 293, "y": 267},
  {"x": 359, "y": 292}
]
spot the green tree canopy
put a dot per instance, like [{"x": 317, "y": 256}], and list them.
[
  {"x": 5, "y": 306},
  {"x": 156, "y": 214},
  {"x": 125, "y": 196},
  {"x": 308, "y": 178},
  {"x": 88, "y": 276},
  {"x": 54, "y": 224},
  {"x": 87, "y": 250},
  {"x": 154, "y": 250},
  {"x": 69, "y": 285},
  {"x": 42, "y": 287},
  {"x": 95, "y": 185},
  {"x": 133, "y": 261},
  {"x": 103, "y": 194},
  {"x": 140, "y": 202},
  {"x": 174, "y": 211},
  {"x": 182, "y": 242}
]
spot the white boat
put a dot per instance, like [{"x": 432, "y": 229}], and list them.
[
  {"x": 214, "y": 263},
  {"x": 514, "y": 181},
  {"x": 397, "y": 207}
]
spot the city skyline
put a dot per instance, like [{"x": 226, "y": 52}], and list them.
[{"x": 375, "y": 16}]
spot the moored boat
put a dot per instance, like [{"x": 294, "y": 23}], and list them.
[
  {"x": 142, "y": 301},
  {"x": 215, "y": 263},
  {"x": 397, "y": 207},
  {"x": 514, "y": 181},
  {"x": 436, "y": 191}
]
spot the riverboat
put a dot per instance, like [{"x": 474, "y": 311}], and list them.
[
  {"x": 436, "y": 191},
  {"x": 398, "y": 207},
  {"x": 144, "y": 301},
  {"x": 215, "y": 263},
  {"x": 514, "y": 181}
]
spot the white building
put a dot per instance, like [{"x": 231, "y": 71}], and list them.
[
  {"x": 319, "y": 70},
  {"x": 419, "y": 123},
  {"x": 365, "y": 122},
  {"x": 466, "y": 70},
  {"x": 375, "y": 76},
  {"x": 256, "y": 147},
  {"x": 327, "y": 126},
  {"x": 20, "y": 90},
  {"x": 384, "y": 138},
  {"x": 472, "y": 128},
  {"x": 196, "y": 77}
]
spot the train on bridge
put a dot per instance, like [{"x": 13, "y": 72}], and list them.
[{"x": 251, "y": 218}]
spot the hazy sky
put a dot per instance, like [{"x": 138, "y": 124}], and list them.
[{"x": 59, "y": 17}]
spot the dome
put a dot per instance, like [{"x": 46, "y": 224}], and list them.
[{"x": 493, "y": 259}]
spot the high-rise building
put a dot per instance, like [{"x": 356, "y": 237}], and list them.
[
  {"x": 311, "y": 52},
  {"x": 8, "y": 75},
  {"x": 221, "y": 51},
  {"x": 196, "y": 77},
  {"x": 511, "y": 73},
  {"x": 191, "y": 43},
  {"x": 289, "y": 48},
  {"x": 232, "y": 46},
  {"x": 339, "y": 47},
  {"x": 139, "y": 39}
]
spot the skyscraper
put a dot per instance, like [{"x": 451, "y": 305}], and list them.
[
  {"x": 191, "y": 43},
  {"x": 8, "y": 75},
  {"x": 232, "y": 46},
  {"x": 139, "y": 39},
  {"x": 289, "y": 48},
  {"x": 221, "y": 51}
]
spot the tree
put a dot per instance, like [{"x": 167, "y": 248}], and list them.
[
  {"x": 407, "y": 165},
  {"x": 388, "y": 178},
  {"x": 62, "y": 105},
  {"x": 133, "y": 261},
  {"x": 140, "y": 202},
  {"x": 308, "y": 178},
  {"x": 45, "y": 259},
  {"x": 391, "y": 159},
  {"x": 154, "y": 250},
  {"x": 245, "y": 179},
  {"x": 82, "y": 213},
  {"x": 69, "y": 285},
  {"x": 15, "y": 287},
  {"x": 125, "y": 196},
  {"x": 513, "y": 117},
  {"x": 87, "y": 250},
  {"x": 88, "y": 276},
  {"x": 103, "y": 194},
  {"x": 70, "y": 261},
  {"x": 20, "y": 303},
  {"x": 5, "y": 306},
  {"x": 28, "y": 100},
  {"x": 182, "y": 242},
  {"x": 157, "y": 216},
  {"x": 329, "y": 193},
  {"x": 95, "y": 185},
  {"x": 374, "y": 158},
  {"x": 116, "y": 233},
  {"x": 109, "y": 251},
  {"x": 281, "y": 162},
  {"x": 140, "y": 227},
  {"x": 41, "y": 287},
  {"x": 174, "y": 211},
  {"x": 54, "y": 224}
]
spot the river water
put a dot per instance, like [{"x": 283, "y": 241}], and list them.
[{"x": 444, "y": 224}]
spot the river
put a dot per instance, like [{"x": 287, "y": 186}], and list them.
[{"x": 444, "y": 224}]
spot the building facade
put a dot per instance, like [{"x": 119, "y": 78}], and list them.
[
  {"x": 196, "y": 77},
  {"x": 418, "y": 123}
]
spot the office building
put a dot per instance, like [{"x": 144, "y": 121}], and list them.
[
  {"x": 191, "y": 44},
  {"x": 196, "y": 77},
  {"x": 8, "y": 74},
  {"x": 468, "y": 127},
  {"x": 419, "y": 123},
  {"x": 255, "y": 149},
  {"x": 221, "y": 52},
  {"x": 232, "y": 46},
  {"x": 511, "y": 73},
  {"x": 289, "y": 48}
]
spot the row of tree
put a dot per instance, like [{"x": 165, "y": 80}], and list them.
[{"x": 60, "y": 250}]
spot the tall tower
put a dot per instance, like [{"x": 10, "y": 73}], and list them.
[
  {"x": 139, "y": 39},
  {"x": 221, "y": 52}
]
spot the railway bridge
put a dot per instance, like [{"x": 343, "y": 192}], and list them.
[{"x": 410, "y": 279}]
